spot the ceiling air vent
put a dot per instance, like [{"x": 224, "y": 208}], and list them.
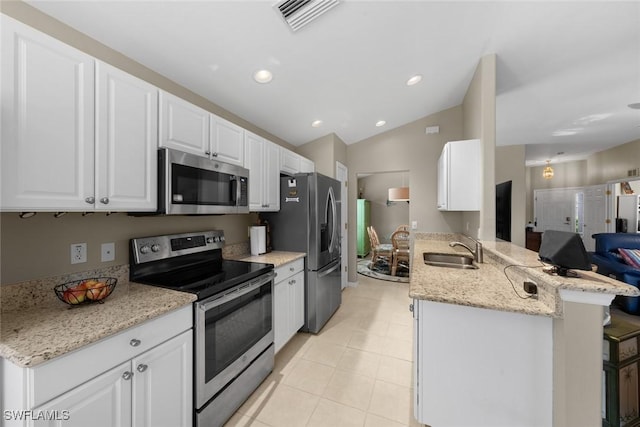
[{"x": 298, "y": 13}]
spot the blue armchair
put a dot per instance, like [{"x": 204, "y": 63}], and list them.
[{"x": 611, "y": 264}]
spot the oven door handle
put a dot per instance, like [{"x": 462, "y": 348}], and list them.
[{"x": 215, "y": 301}]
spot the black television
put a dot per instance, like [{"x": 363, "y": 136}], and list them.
[{"x": 565, "y": 251}]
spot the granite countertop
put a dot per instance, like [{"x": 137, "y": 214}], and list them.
[
  {"x": 489, "y": 287},
  {"x": 277, "y": 258},
  {"x": 35, "y": 326}
]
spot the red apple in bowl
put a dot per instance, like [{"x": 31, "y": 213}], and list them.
[{"x": 75, "y": 295}]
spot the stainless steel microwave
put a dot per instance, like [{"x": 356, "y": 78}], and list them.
[{"x": 194, "y": 185}]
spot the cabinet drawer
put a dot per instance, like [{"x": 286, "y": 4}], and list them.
[
  {"x": 289, "y": 269},
  {"x": 52, "y": 378}
]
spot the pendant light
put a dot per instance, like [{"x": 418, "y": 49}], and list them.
[
  {"x": 399, "y": 194},
  {"x": 547, "y": 173}
]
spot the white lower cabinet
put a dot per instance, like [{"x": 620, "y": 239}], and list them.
[
  {"x": 103, "y": 401},
  {"x": 288, "y": 302},
  {"x": 140, "y": 377}
]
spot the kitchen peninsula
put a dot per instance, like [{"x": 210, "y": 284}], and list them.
[{"x": 488, "y": 355}]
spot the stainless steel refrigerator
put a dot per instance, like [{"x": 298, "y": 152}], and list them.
[{"x": 309, "y": 221}]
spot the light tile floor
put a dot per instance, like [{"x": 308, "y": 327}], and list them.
[{"x": 356, "y": 372}]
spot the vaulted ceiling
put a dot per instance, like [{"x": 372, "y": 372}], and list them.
[{"x": 566, "y": 71}]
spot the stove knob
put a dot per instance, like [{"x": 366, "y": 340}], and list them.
[
  {"x": 210, "y": 239},
  {"x": 155, "y": 247},
  {"x": 145, "y": 249},
  {"x": 221, "y": 238}
]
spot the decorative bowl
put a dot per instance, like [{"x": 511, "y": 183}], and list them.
[{"x": 84, "y": 291}]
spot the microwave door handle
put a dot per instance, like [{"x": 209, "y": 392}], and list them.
[{"x": 235, "y": 188}]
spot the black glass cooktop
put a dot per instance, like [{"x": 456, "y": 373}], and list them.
[{"x": 207, "y": 279}]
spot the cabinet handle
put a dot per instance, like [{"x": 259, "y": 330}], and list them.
[
  {"x": 104, "y": 200},
  {"x": 411, "y": 308},
  {"x": 141, "y": 367},
  {"x": 127, "y": 375},
  {"x": 291, "y": 268},
  {"x": 207, "y": 152},
  {"x": 135, "y": 342},
  {"x": 214, "y": 154},
  {"x": 91, "y": 200},
  {"x": 292, "y": 282}
]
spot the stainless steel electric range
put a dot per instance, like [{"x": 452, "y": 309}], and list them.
[{"x": 233, "y": 333}]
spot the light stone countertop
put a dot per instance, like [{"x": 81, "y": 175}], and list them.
[
  {"x": 277, "y": 258},
  {"x": 35, "y": 326},
  {"x": 489, "y": 287}
]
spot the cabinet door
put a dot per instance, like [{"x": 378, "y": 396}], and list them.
[
  {"x": 163, "y": 385},
  {"x": 227, "y": 141},
  {"x": 289, "y": 161},
  {"x": 443, "y": 177},
  {"x": 47, "y": 122},
  {"x": 280, "y": 314},
  {"x": 105, "y": 401},
  {"x": 183, "y": 126},
  {"x": 306, "y": 165},
  {"x": 127, "y": 140},
  {"x": 271, "y": 177},
  {"x": 296, "y": 295},
  {"x": 254, "y": 155}
]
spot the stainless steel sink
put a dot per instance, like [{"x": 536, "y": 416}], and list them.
[{"x": 448, "y": 260}]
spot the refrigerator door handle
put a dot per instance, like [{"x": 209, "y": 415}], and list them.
[{"x": 331, "y": 269}]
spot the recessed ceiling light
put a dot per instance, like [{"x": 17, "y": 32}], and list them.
[
  {"x": 635, "y": 105},
  {"x": 316, "y": 123},
  {"x": 380, "y": 123},
  {"x": 413, "y": 80},
  {"x": 262, "y": 76},
  {"x": 566, "y": 132}
]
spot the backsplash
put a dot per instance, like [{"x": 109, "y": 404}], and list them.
[
  {"x": 39, "y": 247},
  {"x": 39, "y": 292}
]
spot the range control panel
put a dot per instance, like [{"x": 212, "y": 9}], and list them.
[{"x": 146, "y": 249}]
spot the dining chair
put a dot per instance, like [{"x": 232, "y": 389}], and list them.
[
  {"x": 401, "y": 249},
  {"x": 403, "y": 227},
  {"x": 379, "y": 250}
]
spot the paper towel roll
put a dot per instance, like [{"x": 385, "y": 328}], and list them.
[{"x": 258, "y": 240}]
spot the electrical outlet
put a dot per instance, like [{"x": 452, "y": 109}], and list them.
[
  {"x": 414, "y": 225},
  {"x": 78, "y": 253},
  {"x": 107, "y": 252}
]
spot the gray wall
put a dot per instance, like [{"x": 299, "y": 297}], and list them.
[
  {"x": 385, "y": 217},
  {"x": 598, "y": 168},
  {"x": 407, "y": 148}
]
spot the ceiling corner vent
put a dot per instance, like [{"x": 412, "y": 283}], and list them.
[{"x": 298, "y": 13}]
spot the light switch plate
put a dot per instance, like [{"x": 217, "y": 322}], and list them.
[
  {"x": 107, "y": 252},
  {"x": 414, "y": 225}
]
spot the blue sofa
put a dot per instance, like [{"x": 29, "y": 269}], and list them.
[{"x": 610, "y": 263}]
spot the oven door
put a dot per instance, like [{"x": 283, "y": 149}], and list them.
[
  {"x": 197, "y": 185},
  {"x": 231, "y": 331}
]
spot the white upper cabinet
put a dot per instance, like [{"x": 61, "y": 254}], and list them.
[
  {"x": 459, "y": 176},
  {"x": 47, "y": 148},
  {"x": 306, "y": 165},
  {"x": 189, "y": 128},
  {"x": 262, "y": 160},
  {"x": 292, "y": 163},
  {"x": 227, "y": 141},
  {"x": 77, "y": 134},
  {"x": 183, "y": 126},
  {"x": 126, "y": 141}
]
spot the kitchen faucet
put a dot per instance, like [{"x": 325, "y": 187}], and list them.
[{"x": 477, "y": 254}]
